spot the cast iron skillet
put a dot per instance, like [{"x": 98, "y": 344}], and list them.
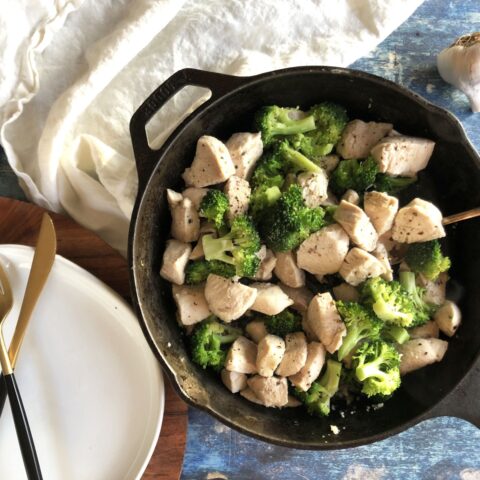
[{"x": 452, "y": 180}]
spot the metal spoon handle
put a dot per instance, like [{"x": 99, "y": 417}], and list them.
[
  {"x": 24, "y": 435},
  {"x": 458, "y": 217}
]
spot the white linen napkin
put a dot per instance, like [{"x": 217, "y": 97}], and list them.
[{"x": 74, "y": 71}]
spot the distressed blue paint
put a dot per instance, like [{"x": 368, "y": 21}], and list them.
[
  {"x": 429, "y": 451},
  {"x": 439, "y": 449}
]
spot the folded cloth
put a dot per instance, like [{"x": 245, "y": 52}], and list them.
[{"x": 73, "y": 73}]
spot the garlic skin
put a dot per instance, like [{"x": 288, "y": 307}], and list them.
[{"x": 459, "y": 65}]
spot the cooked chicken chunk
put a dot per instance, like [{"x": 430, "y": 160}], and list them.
[
  {"x": 245, "y": 149},
  {"x": 360, "y": 265},
  {"x": 207, "y": 228},
  {"x": 287, "y": 271},
  {"x": 175, "y": 259},
  {"x": 271, "y": 391},
  {"x": 357, "y": 225},
  {"x": 270, "y": 299},
  {"x": 197, "y": 252},
  {"x": 419, "y": 221},
  {"x": 434, "y": 289},
  {"x": 267, "y": 264},
  {"x": 309, "y": 333},
  {"x": 346, "y": 293},
  {"x": 329, "y": 162},
  {"x": 429, "y": 330},
  {"x": 238, "y": 192},
  {"x": 351, "y": 196},
  {"x": 256, "y": 330},
  {"x": 381, "y": 209},
  {"x": 381, "y": 254},
  {"x": 293, "y": 402},
  {"x": 242, "y": 356},
  {"x": 248, "y": 394},
  {"x": 419, "y": 353},
  {"x": 314, "y": 187},
  {"x": 195, "y": 195},
  {"x": 358, "y": 138},
  {"x": 212, "y": 164},
  {"x": 330, "y": 200},
  {"x": 402, "y": 155},
  {"x": 295, "y": 354},
  {"x": 234, "y": 381},
  {"x": 448, "y": 317},
  {"x": 227, "y": 299},
  {"x": 192, "y": 306},
  {"x": 323, "y": 252},
  {"x": 185, "y": 219},
  {"x": 300, "y": 296},
  {"x": 270, "y": 352},
  {"x": 312, "y": 368},
  {"x": 326, "y": 322}
]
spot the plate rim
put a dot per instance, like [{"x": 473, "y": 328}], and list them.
[{"x": 133, "y": 322}]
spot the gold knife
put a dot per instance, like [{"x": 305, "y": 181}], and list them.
[{"x": 43, "y": 259}]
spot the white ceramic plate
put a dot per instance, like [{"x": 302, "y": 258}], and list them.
[{"x": 91, "y": 387}]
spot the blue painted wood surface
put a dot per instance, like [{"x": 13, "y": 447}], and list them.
[{"x": 438, "y": 449}]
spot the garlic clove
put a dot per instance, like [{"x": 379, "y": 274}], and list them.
[{"x": 459, "y": 65}]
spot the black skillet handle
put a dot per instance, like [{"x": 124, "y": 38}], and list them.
[
  {"x": 464, "y": 401},
  {"x": 25, "y": 439},
  {"x": 217, "y": 83}
]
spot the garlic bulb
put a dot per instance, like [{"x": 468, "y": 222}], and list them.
[{"x": 459, "y": 65}]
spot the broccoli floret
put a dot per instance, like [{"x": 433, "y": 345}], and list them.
[
  {"x": 269, "y": 171},
  {"x": 296, "y": 162},
  {"x": 377, "y": 366},
  {"x": 261, "y": 198},
  {"x": 213, "y": 207},
  {"x": 273, "y": 121},
  {"x": 207, "y": 341},
  {"x": 386, "y": 183},
  {"x": 353, "y": 174},
  {"x": 289, "y": 221},
  {"x": 423, "y": 310},
  {"x": 283, "y": 323},
  {"x": 397, "y": 334},
  {"x": 239, "y": 247},
  {"x": 360, "y": 323},
  {"x": 317, "y": 398},
  {"x": 199, "y": 270},
  {"x": 390, "y": 302},
  {"x": 311, "y": 144},
  {"x": 427, "y": 258},
  {"x": 330, "y": 120}
]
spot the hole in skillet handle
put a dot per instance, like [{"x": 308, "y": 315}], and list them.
[
  {"x": 464, "y": 401},
  {"x": 145, "y": 157}
]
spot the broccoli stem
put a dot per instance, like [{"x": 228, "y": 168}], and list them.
[
  {"x": 299, "y": 160},
  {"x": 397, "y": 334},
  {"x": 370, "y": 369},
  {"x": 331, "y": 378},
  {"x": 407, "y": 281},
  {"x": 291, "y": 127},
  {"x": 214, "y": 248}
]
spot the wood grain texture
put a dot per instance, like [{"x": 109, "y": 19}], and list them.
[{"x": 19, "y": 223}]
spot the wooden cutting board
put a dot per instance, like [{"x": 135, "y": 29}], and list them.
[{"x": 19, "y": 223}]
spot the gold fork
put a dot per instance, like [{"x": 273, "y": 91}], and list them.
[{"x": 24, "y": 435}]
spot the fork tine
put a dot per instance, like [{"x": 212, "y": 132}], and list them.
[{"x": 7, "y": 290}]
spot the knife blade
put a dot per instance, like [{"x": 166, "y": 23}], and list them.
[{"x": 42, "y": 263}]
